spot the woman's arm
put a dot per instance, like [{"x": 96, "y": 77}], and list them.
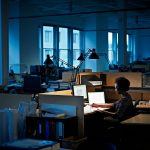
[{"x": 108, "y": 105}]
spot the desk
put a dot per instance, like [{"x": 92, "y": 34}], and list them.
[
  {"x": 143, "y": 108},
  {"x": 134, "y": 132},
  {"x": 63, "y": 92},
  {"x": 19, "y": 88},
  {"x": 140, "y": 119},
  {"x": 94, "y": 121},
  {"x": 89, "y": 109}
]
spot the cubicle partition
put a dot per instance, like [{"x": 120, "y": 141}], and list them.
[
  {"x": 13, "y": 100},
  {"x": 76, "y": 101},
  {"x": 12, "y": 123}
]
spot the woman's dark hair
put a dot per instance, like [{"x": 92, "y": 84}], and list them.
[{"x": 122, "y": 83}]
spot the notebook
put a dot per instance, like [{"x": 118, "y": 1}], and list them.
[{"x": 96, "y": 97}]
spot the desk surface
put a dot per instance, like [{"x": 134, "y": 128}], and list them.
[
  {"x": 140, "y": 119},
  {"x": 63, "y": 92},
  {"x": 89, "y": 109}
]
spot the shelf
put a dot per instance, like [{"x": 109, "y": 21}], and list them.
[{"x": 51, "y": 128}]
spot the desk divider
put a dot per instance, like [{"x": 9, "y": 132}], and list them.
[{"x": 67, "y": 100}]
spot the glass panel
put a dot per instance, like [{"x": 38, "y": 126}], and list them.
[
  {"x": 63, "y": 56},
  {"x": 63, "y": 46},
  {"x": 109, "y": 41},
  {"x": 47, "y": 41},
  {"x": 110, "y": 49},
  {"x": 76, "y": 47},
  {"x": 113, "y": 47},
  {"x": 63, "y": 38}
]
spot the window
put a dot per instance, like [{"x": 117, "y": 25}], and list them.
[
  {"x": 76, "y": 47},
  {"x": 48, "y": 35},
  {"x": 130, "y": 48},
  {"x": 47, "y": 41},
  {"x": 62, "y": 42},
  {"x": 63, "y": 45},
  {"x": 113, "y": 47}
]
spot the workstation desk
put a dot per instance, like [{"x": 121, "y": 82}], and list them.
[{"x": 135, "y": 132}]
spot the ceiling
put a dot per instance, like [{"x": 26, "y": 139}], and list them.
[{"x": 137, "y": 11}]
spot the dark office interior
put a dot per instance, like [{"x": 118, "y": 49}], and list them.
[{"x": 112, "y": 39}]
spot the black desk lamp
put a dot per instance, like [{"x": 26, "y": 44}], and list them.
[{"x": 92, "y": 55}]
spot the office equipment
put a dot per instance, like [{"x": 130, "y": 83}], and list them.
[
  {"x": 80, "y": 90},
  {"x": 32, "y": 84},
  {"x": 96, "y": 97}
]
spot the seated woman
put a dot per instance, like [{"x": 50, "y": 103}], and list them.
[{"x": 122, "y": 108}]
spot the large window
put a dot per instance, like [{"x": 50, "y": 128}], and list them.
[
  {"x": 113, "y": 47},
  {"x": 64, "y": 43}
]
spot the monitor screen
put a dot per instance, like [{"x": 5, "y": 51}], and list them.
[
  {"x": 96, "y": 97},
  {"x": 32, "y": 83},
  {"x": 80, "y": 90}
]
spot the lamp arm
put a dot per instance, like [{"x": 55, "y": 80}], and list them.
[
  {"x": 59, "y": 59},
  {"x": 73, "y": 77}
]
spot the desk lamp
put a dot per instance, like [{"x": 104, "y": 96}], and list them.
[{"x": 92, "y": 55}]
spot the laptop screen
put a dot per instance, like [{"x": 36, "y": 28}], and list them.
[
  {"x": 80, "y": 90},
  {"x": 96, "y": 97}
]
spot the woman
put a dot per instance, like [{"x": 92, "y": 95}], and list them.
[{"x": 122, "y": 108}]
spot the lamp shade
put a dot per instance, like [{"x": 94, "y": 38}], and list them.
[
  {"x": 81, "y": 57},
  {"x": 93, "y": 55}
]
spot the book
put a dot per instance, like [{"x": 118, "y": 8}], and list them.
[{"x": 31, "y": 144}]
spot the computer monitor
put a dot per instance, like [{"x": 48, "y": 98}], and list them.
[
  {"x": 32, "y": 84},
  {"x": 80, "y": 90},
  {"x": 37, "y": 69}
]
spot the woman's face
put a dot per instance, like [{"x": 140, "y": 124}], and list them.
[{"x": 117, "y": 89}]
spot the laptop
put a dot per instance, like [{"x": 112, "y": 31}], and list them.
[{"x": 96, "y": 97}]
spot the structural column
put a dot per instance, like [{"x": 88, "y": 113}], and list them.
[
  {"x": 122, "y": 31},
  {"x": 4, "y": 57}
]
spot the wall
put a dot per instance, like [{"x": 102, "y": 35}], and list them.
[
  {"x": 95, "y": 37},
  {"x": 144, "y": 44},
  {"x": 14, "y": 44}
]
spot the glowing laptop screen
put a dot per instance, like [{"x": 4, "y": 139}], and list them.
[{"x": 96, "y": 97}]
